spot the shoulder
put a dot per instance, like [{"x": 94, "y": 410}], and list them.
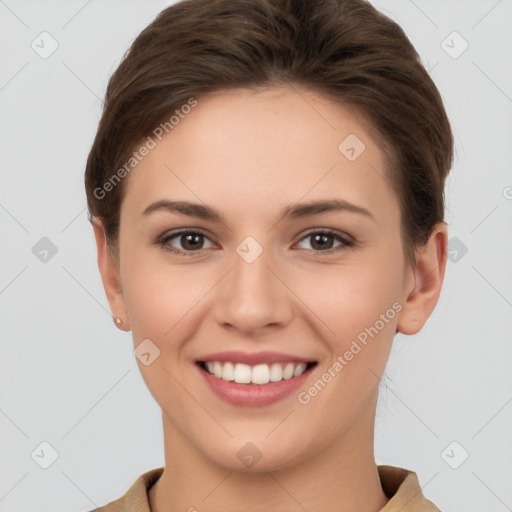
[
  {"x": 136, "y": 498},
  {"x": 403, "y": 488}
]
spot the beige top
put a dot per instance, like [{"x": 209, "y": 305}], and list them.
[{"x": 400, "y": 485}]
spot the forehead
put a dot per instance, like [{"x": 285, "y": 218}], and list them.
[{"x": 254, "y": 148}]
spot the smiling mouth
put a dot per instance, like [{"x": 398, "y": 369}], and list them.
[{"x": 259, "y": 374}]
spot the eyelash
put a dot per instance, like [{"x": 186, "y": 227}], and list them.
[{"x": 346, "y": 242}]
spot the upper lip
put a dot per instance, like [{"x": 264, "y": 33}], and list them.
[{"x": 254, "y": 358}]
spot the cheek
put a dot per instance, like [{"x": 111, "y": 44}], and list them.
[
  {"x": 350, "y": 298},
  {"x": 147, "y": 295},
  {"x": 357, "y": 303},
  {"x": 160, "y": 297}
]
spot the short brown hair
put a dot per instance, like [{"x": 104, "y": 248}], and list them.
[{"x": 344, "y": 49}]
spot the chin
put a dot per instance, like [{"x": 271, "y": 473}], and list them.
[{"x": 258, "y": 456}]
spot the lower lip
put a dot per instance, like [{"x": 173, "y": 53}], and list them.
[{"x": 253, "y": 395}]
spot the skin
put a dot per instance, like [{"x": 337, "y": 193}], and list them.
[{"x": 248, "y": 154}]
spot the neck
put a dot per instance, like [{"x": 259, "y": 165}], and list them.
[{"x": 342, "y": 478}]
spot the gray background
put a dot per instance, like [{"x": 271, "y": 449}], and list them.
[{"x": 68, "y": 375}]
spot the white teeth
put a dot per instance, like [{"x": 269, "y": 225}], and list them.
[
  {"x": 299, "y": 369},
  {"x": 259, "y": 374},
  {"x": 217, "y": 369},
  {"x": 276, "y": 372},
  {"x": 228, "y": 372},
  {"x": 242, "y": 373},
  {"x": 288, "y": 371}
]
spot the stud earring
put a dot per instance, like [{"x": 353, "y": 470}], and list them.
[{"x": 118, "y": 321}]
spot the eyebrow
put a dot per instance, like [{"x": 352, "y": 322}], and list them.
[{"x": 296, "y": 211}]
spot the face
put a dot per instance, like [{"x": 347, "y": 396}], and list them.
[{"x": 252, "y": 273}]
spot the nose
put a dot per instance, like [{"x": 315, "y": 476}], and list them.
[{"x": 254, "y": 296}]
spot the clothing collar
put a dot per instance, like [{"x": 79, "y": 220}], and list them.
[{"x": 400, "y": 485}]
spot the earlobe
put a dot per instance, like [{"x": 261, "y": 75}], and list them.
[
  {"x": 428, "y": 276},
  {"x": 109, "y": 272}
]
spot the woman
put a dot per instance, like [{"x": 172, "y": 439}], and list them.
[{"x": 266, "y": 189}]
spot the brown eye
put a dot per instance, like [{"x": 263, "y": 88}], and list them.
[
  {"x": 323, "y": 241},
  {"x": 187, "y": 242}
]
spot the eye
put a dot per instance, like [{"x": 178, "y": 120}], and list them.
[
  {"x": 191, "y": 241},
  {"x": 322, "y": 241}
]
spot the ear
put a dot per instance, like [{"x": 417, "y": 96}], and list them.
[
  {"x": 109, "y": 270},
  {"x": 427, "y": 279}
]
